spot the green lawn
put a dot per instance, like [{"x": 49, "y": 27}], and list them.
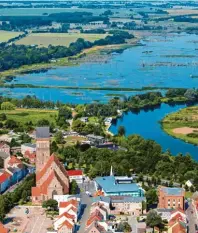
[
  {"x": 65, "y": 39},
  {"x": 5, "y": 35},
  {"x": 188, "y": 118},
  {"x": 26, "y": 115}
]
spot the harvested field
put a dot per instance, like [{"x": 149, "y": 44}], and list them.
[
  {"x": 6, "y": 35},
  {"x": 64, "y": 39}
]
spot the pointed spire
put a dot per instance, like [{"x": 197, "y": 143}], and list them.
[{"x": 111, "y": 172}]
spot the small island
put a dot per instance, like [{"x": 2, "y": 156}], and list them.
[{"x": 183, "y": 124}]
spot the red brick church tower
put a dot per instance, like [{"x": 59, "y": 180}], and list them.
[
  {"x": 51, "y": 176},
  {"x": 42, "y": 147}
]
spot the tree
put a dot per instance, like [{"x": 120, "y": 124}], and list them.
[
  {"x": 73, "y": 187},
  {"x": 59, "y": 137},
  {"x": 127, "y": 227},
  {"x": 7, "y": 106},
  {"x": 50, "y": 204},
  {"x": 121, "y": 130},
  {"x": 2, "y": 208},
  {"x": 153, "y": 219},
  {"x": 191, "y": 94},
  {"x": 151, "y": 197},
  {"x": 3, "y": 117},
  {"x": 43, "y": 122},
  {"x": 53, "y": 147}
]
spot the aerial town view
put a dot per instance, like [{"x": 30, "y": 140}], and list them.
[{"x": 99, "y": 116}]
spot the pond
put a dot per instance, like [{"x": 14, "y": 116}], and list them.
[{"x": 146, "y": 124}]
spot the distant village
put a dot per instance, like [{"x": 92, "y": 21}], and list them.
[{"x": 106, "y": 204}]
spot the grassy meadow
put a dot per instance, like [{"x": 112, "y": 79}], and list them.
[
  {"x": 183, "y": 124},
  {"x": 64, "y": 39},
  {"x": 6, "y": 35},
  {"x": 22, "y": 115}
]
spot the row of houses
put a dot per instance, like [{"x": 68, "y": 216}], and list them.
[
  {"x": 12, "y": 173},
  {"x": 69, "y": 213},
  {"x": 98, "y": 218}
]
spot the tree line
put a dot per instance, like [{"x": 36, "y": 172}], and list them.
[{"x": 15, "y": 56}]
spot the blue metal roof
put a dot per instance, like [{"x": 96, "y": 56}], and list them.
[
  {"x": 109, "y": 185},
  {"x": 173, "y": 191}
]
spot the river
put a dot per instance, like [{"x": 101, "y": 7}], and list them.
[{"x": 146, "y": 124}]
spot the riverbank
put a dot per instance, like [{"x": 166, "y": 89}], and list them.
[
  {"x": 67, "y": 61},
  {"x": 182, "y": 124}
]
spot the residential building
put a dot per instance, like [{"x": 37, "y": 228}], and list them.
[
  {"x": 51, "y": 176},
  {"x": 17, "y": 173},
  {"x": 177, "y": 225},
  {"x": 65, "y": 220},
  {"x": 111, "y": 186},
  {"x": 4, "y": 147},
  {"x": 168, "y": 214},
  {"x": 95, "y": 140},
  {"x": 127, "y": 205},
  {"x": 94, "y": 217},
  {"x": 28, "y": 147},
  {"x": 30, "y": 156},
  {"x": 4, "y": 157},
  {"x": 171, "y": 198},
  {"x": 14, "y": 161},
  {"x": 69, "y": 213},
  {"x": 76, "y": 175},
  {"x": 4, "y": 181},
  {"x": 3, "y": 229},
  {"x": 65, "y": 198},
  {"x": 96, "y": 227}
]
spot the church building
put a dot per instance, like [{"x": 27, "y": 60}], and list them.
[{"x": 51, "y": 176}]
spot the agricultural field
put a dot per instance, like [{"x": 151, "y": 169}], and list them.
[
  {"x": 64, "y": 39},
  {"x": 22, "y": 115},
  {"x": 6, "y": 35},
  {"x": 182, "y": 11},
  {"x": 183, "y": 124}
]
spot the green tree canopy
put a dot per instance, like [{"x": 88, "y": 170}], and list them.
[{"x": 7, "y": 106}]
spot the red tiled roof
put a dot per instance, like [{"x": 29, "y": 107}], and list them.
[
  {"x": 95, "y": 216},
  {"x": 67, "y": 224},
  {"x": 3, "y": 178},
  {"x": 65, "y": 204},
  {"x": 3, "y": 229},
  {"x": 52, "y": 159},
  {"x": 75, "y": 173},
  {"x": 14, "y": 160},
  {"x": 36, "y": 191},
  {"x": 178, "y": 210},
  {"x": 7, "y": 174},
  {"x": 67, "y": 215}
]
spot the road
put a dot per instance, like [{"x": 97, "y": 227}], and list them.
[
  {"x": 86, "y": 202},
  {"x": 192, "y": 218}
]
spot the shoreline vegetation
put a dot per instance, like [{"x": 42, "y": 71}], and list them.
[
  {"x": 65, "y": 61},
  {"x": 54, "y": 56},
  {"x": 182, "y": 125},
  {"x": 125, "y": 89}
]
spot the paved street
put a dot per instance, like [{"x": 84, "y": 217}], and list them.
[
  {"x": 192, "y": 218},
  {"x": 86, "y": 201}
]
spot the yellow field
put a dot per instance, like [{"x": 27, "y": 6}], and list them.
[
  {"x": 45, "y": 39},
  {"x": 5, "y": 35}
]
